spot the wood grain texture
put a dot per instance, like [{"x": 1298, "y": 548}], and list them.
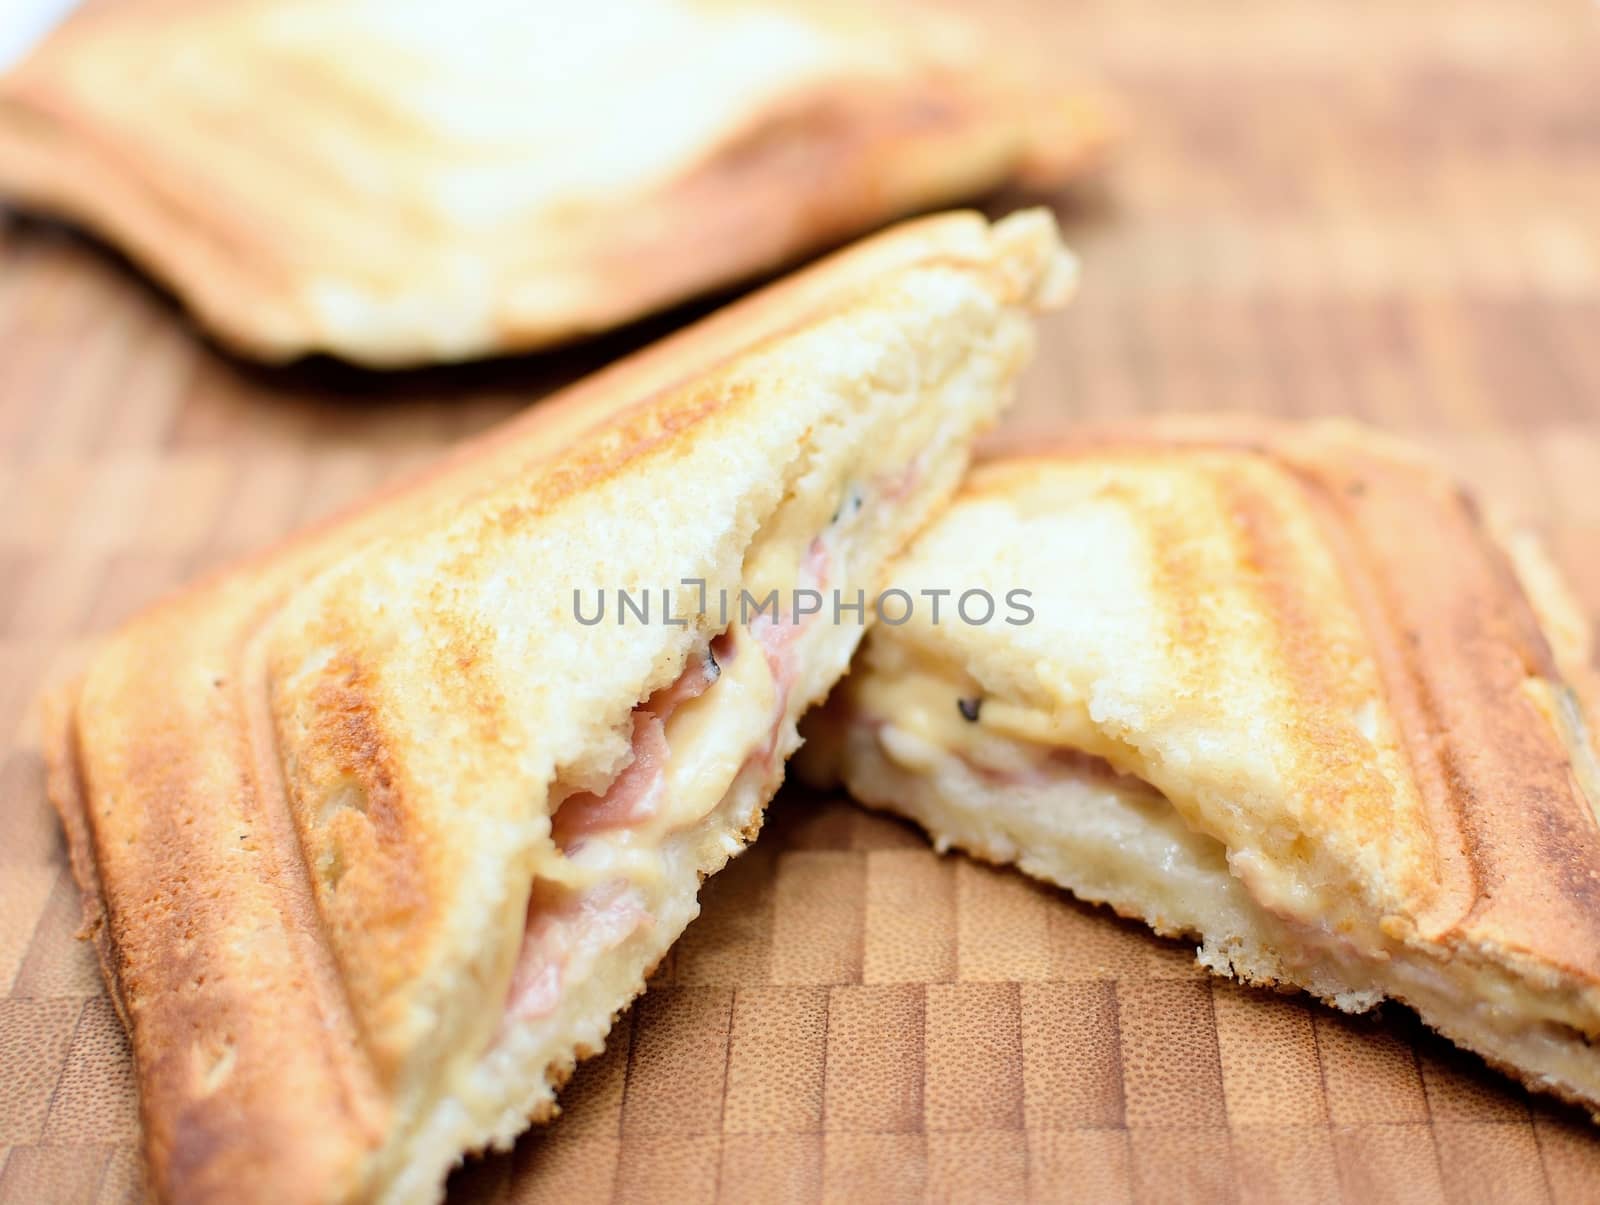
[{"x": 1334, "y": 207}]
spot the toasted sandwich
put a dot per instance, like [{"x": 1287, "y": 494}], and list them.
[
  {"x": 378, "y": 832},
  {"x": 1279, "y": 688},
  {"x": 397, "y": 181}
]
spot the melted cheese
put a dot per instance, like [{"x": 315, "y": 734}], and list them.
[
  {"x": 1119, "y": 841},
  {"x": 1006, "y": 736},
  {"x": 1011, "y": 738},
  {"x": 710, "y": 738}
]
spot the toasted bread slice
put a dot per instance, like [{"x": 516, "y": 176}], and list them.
[
  {"x": 396, "y": 182},
  {"x": 378, "y": 831},
  {"x": 1282, "y": 689}
]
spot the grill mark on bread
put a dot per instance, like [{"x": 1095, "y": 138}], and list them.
[
  {"x": 617, "y": 446},
  {"x": 1354, "y": 484},
  {"x": 1263, "y": 562},
  {"x": 1408, "y": 693},
  {"x": 1520, "y": 756},
  {"x": 1321, "y": 665},
  {"x": 745, "y": 192},
  {"x": 1356, "y": 490},
  {"x": 188, "y": 964},
  {"x": 367, "y": 832}
]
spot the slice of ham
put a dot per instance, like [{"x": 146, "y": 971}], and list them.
[
  {"x": 777, "y": 638},
  {"x": 697, "y": 678},
  {"x": 564, "y": 927},
  {"x": 1086, "y": 767},
  {"x": 633, "y": 796},
  {"x": 635, "y": 793},
  {"x": 891, "y": 487},
  {"x": 604, "y": 916},
  {"x": 561, "y": 925}
]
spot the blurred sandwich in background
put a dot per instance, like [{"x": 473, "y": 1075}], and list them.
[{"x": 397, "y": 182}]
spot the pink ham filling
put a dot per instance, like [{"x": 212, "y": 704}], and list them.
[
  {"x": 635, "y": 793},
  {"x": 892, "y": 488},
  {"x": 601, "y": 917},
  {"x": 633, "y": 796},
  {"x": 1085, "y": 767},
  {"x": 607, "y": 914},
  {"x": 777, "y": 640},
  {"x": 1055, "y": 762}
]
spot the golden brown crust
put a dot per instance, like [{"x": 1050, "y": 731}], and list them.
[
  {"x": 379, "y": 240},
  {"x": 1463, "y": 659},
  {"x": 266, "y": 1053},
  {"x": 197, "y": 973},
  {"x": 1375, "y": 707}
]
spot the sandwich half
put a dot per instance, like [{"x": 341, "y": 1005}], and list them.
[
  {"x": 379, "y": 831},
  {"x": 399, "y": 181},
  {"x": 1279, "y": 688}
]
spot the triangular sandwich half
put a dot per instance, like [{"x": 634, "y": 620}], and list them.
[
  {"x": 400, "y": 181},
  {"x": 1280, "y": 688},
  {"x": 378, "y": 831}
]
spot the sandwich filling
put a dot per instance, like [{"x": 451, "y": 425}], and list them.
[
  {"x": 993, "y": 776},
  {"x": 706, "y": 753},
  {"x": 723, "y": 715}
]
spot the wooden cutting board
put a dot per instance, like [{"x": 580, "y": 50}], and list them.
[{"x": 1391, "y": 211}]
